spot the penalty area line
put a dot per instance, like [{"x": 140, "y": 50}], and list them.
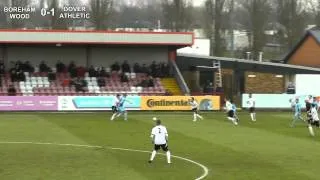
[{"x": 203, "y": 167}]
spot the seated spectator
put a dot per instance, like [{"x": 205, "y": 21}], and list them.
[
  {"x": 101, "y": 82},
  {"x": 79, "y": 84},
  {"x": 92, "y": 72},
  {"x": 43, "y": 67},
  {"x": 126, "y": 67},
  {"x": 12, "y": 91},
  {"x": 51, "y": 76},
  {"x": 60, "y": 67},
  {"x": 21, "y": 76},
  {"x": 143, "y": 83},
  {"x": 115, "y": 67},
  {"x": 124, "y": 78},
  {"x": 81, "y": 71},
  {"x": 150, "y": 82},
  {"x": 291, "y": 88},
  {"x": 102, "y": 72},
  {"x": 136, "y": 68}
]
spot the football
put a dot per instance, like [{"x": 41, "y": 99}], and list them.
[{"x": 154, "y": 118}]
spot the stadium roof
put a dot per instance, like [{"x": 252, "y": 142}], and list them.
[
  {"x": 315, "y": 33},
  {"x": 247, "y": 65},
  {"x": 177, "y": 39}
]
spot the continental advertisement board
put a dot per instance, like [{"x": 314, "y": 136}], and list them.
[{"x": 179, "y": 103}]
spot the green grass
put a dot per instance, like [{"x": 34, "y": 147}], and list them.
[{"x": 264, "y": 150}]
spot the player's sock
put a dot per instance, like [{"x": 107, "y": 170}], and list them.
[
  {"x": 233, "y": 120},
  {"x": 153, "y": 155},
  {"x": 311, "y": 130},
  {"x": 169, "y": 157},
  {"x": 125, "y": 116},
  {"x": 194, "y": 117},
  {"x": 119, "y": 114},
  {"x": 198, "y": 115},
  {"x": 293, "y": 122},
  {"x": 113, "y": 116},
  {"x": 254, "y": 117}
]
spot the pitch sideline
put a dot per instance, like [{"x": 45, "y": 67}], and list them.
[{"x": 204, "y": 168}]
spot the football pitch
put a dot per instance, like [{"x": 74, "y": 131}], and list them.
[{"x": 88, "y": 146}]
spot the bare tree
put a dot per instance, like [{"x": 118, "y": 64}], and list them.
[
  {"x": 100, "y": 12},
  {"x": 292, "y": 16},
  {"x": 177, "y": 14},
  {"x": 258, "y": 12}
]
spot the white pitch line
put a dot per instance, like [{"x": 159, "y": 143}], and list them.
[{"x": 204, "y": 168}]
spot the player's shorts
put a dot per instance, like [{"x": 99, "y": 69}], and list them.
[
  {"x": 252, "y": 110},
  {"x": 164, "y": 147},
  {"x": 114, "y": 109},
  {"x": 314, "y": 123},
  {"x": 195, "y": 110},
  {"x": 231, "y": 113}
]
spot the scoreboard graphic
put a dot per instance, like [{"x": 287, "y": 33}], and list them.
[{"x": 65, "y": 12}]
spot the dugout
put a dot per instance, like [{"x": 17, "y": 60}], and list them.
[{"x": 86, "y": 48}]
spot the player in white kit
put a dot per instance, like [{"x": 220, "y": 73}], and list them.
[
  {"x": 159, "y": 136},
  {"x": 230, "y": 112},
  {"x": 252, "y": 107},
  {"x": 314, "y": 119},
  {"x": 195, "y": 109}
]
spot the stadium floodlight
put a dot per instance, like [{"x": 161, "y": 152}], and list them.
[{"x": 206, "y": 67}]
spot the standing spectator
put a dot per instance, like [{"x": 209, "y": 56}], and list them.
[
  {"x": 81, "y": 71},
  {"x": 60, "y": 67},
  {"x": 12, "y": 91},
  {"x": 144, "y": 69},
  {"x": 165, "y": 69},
  {"x": 72, "y": 69},
  {"x": 102, "y": 72},
  {"x": 43, "y": 67},
  {"x": 92, "y": 72},
  {"x": 28, "y": 67},
  {"x": 101, "y": 82},
  {"x": 115, "y": 67},
  {"x": 153, "y": 67},
  {"x": 150, "y": 82},
  {"x": 124, "y": 78},
  {"x": 126, "y": 67},
  {"x": 2, "y": 69},
  {"x": 21, "y": 76},
  {"x": 13, "y": 75},
  {"x": 136, "y": 68}
]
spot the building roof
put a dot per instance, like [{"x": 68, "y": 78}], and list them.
[
  {"x": 246, "y": 65},
  {"x": 315, "y": 33}
]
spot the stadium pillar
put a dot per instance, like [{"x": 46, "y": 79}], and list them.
[{"x": 172, "y": 55}]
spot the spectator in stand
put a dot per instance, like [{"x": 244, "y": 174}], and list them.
[
  {"x": 43, "y": 67},
  {"x": 126, "y": 67},
  {"x": 150, "y": 82},
  {"x": 153, "y": 67},
  {"x": 13, "y": 75},
  {"x": 143, "y": 83},
  {"x": 136, "y": 68},
  {"x": 72, "y": 69},
  {"x": 219, "y": 88},
  {"x": 101, "y": 82},
  {"x": 21, "y": 76},
  {"x": 2, "y": 69},
  {"x": 27, "y": 67},
  {"x": 144, "y": 69},
  {"x": 79, "y": 85},
  {"x": 92, "y": 72},
  {"x": 102, "y": 72},
  {"x": 115, "y": 67},
  {"x": 165, "y": 69},
  {"x": 60, "y": 67},
  {"x": 12, "y": 91},
  {"x": 124, "y": 77},
  {"x": 81, "y": 71}
]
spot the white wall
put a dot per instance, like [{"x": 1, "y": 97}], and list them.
[
  {"x": 105, "y": 56},
  {"x": 307, "y": 84},
  {"x": 50, "y": 54}
]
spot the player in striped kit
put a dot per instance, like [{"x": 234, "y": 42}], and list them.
[{"x": 115, "y": 107}]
